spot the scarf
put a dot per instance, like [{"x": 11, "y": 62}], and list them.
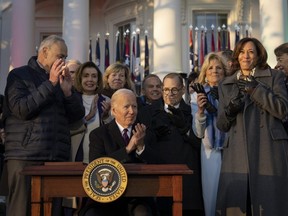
[{"x": 215, "y": 136}]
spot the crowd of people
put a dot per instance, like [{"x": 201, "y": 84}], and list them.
[{"x": 227, "y": 122}]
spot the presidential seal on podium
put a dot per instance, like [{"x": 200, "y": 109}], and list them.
[{"x": 104, "y": 179}]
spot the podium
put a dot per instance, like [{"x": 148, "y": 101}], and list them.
[{"x": 64, "y": 179}]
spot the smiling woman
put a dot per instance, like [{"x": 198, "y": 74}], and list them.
[
  {"x": 204, "y": 104},
  {"x": 88, "y": 81},
  {"x": 252, "y": 104}
]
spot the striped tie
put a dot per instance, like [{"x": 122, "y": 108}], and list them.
[{"x": 125, "y": 136}]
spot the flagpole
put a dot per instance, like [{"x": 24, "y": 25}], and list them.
[{"x": 191, "y": 50}]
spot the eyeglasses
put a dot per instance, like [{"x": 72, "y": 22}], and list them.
[{"x": 174, "y": 91}]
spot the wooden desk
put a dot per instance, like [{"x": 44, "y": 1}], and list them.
[{"x": 65, "y": 180}]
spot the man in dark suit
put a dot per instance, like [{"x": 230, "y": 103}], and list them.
[
  {"x": 108, "y": 140},
  {"x": 168, "y": 123}
]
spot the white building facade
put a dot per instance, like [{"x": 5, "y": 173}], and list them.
[{"x": 24, "y": 23}]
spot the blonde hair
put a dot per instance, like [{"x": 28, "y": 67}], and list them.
[
  {"x": 73, "y": 61},
  {"x": 116, "y": 68},
  {"x": 211, "y": 56}
]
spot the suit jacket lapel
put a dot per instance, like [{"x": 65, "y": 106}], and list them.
[{"x": 116, "y": 133}]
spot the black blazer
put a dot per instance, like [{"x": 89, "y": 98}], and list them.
[{"x": 107, "y": 140}]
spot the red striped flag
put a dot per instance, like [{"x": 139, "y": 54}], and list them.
[
  {"x": 191, "y": 50},
  {"x": 202, "y": 47},
  {"x": 219, "y": 39},
  {"x": 212, "y": 39},
  {"x": 196, "y": 50}
]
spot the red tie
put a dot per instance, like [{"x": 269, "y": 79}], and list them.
[{"x": 125, "y": 136}]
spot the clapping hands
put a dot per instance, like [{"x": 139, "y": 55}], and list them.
[
  {"x": 247, "y": 84},
  {"x": 200, "y": 90}
]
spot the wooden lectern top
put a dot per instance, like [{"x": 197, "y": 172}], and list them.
[{"x": 76, "y": 168}]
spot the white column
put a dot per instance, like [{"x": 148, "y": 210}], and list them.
[
  {"x": 22, "y": 36},
  {"x": 167, "y": 37},
  {"x": 272, "y": 26},
  {"x": 76, "y": 28}
]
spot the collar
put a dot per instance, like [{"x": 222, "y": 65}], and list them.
[
  {"x": 122, "y": 128},
  {"x": 41, "y": 66},
  {"x": 166, "y": 107}
]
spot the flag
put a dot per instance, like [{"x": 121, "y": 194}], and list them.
[
  {"x": 133, "y": 59},
  {"x": 124, "y": 48},
  {"x": 202, "y": 48},
  {"x": 90, "y": 51},
  {"x": 118, "y": 48},
  {"x": 137, "y": 62},
  {"x": 127, "y": 50},
  {"x": 191, "y": 51},
  {"x": 196, "y": 51},
  {"x": 223, "y": 39},
  {"x": 228, "y": 39},
  {"x": 146, "y": 66},
  {"x": 107, "y": 55},
  {"x": 137, "y": 68},
  {"x": 237, "y": 36},
  {"x": 212, "y": 41},
  {"x": 246, "y": 30},
  {"x": 98, "y": 51},
  {"x": 205, "y": 44},
  {"x": 219, "y": 39}
]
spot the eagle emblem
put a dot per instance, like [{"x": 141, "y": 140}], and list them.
[{"x": 104, "y": 180}]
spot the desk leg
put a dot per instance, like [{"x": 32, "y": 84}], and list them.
[
  {"x": 48, "y": 207},
  {"x": 177, "y": 195},
  {"x": 35, "y": 195}
]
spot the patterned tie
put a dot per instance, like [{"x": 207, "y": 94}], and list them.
[{"x": 125, "y": 136}]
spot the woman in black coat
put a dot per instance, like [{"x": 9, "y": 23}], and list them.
[{"x": 252, "y": 103}]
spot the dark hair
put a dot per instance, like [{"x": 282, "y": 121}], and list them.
[
  {"x": 192, "y": 77},
  {"x": 227, "y": 54},
  {"x": 78, "y": 77},
  {"x": 174, "y": 75},
  {"x": 282, "y": 49},
  {"x": 149, "y": 76},
  {"x": 261, "y": 53}
]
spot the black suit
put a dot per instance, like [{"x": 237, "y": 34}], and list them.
[
  {"x": 107, "y": 141},
  {"x": 166, "y": 135}
]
